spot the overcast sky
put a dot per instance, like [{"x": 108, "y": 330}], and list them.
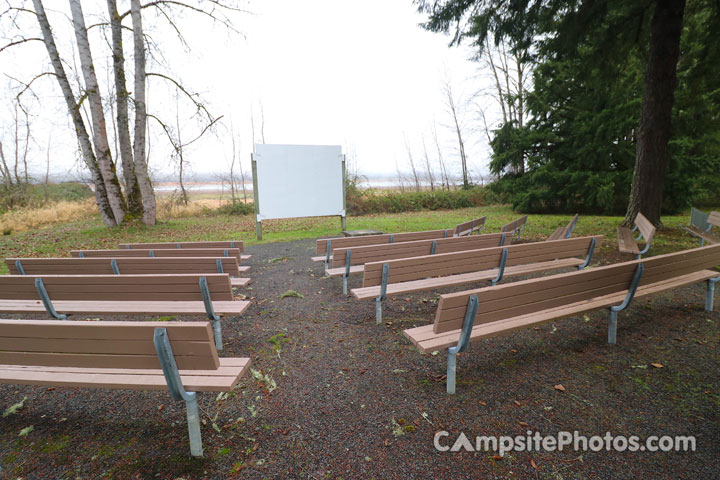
[{"x": 363, "y": 75}]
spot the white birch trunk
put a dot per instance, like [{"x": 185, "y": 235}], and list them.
[
  {"x": 101, "y": 198},
  {"x": 100, "y": 139},
  {"x": 148, "y": 195}
]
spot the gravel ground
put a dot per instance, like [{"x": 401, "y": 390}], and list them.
[{"x": 341, "y": 397}]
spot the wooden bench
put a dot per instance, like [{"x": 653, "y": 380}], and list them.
[
  {"x": 160, "y": 245},
  {"x": 515, "y": 226},
  {"x": 468, "y": 228},
  {"x": 701, "y": 225},
  {"x": 177, "y": 294},
  {"x": 628, "y": 244},
  {"x": 162, "y": 252},
  {"x": 128, "y": 265},
  {"x": 325, "y": 246},
  {"x": 564, "y": 232},
  {"x": 451, "y": 269},
  {"x": 351, "y": 260},
  {"x": 120, "y": 355},
  {"x": 475, "y": 314}
]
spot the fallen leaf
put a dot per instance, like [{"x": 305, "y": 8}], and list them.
[
  {"x": 533, "y": 464},
  {"x": 559, "y": 387},
  {"x": 657, "y": 365},
  {"x": 523, "y": 424},
  {"x": 497, "y": 457},
  {"x": 517, "y": 403},
  {"x": 513, "y": 351},
  {"x": 483, "y": 404}
]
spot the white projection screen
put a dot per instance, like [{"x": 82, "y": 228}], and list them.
[{"x": 291, "y": 181}]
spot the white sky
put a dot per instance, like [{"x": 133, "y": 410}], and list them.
[{"x": 363, "y": 75}]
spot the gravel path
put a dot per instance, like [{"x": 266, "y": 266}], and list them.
[{"x": 336, "y": 396}]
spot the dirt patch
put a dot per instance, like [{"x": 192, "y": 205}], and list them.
[{"x": 334, "y": 395}]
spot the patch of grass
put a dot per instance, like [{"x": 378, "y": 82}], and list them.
[
  {"x": 168, "y": 318},
  {"x": 280, "y": 259},
  {"x": 58, "y": 444},
  {"x": 292, "y": 293}
]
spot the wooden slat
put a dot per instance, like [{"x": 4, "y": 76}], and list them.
[
  {"x": 197, "y": 380},
  {"x": 239, "y": 282},
  {"x": 166, "y": 252},
  {"x": 707, "y": 236},
  {"x": 126, "y": 265},
  {"x": 172, "y": 287},
  {"x": 103, "y": 344},
  {"x": 73, "y": 307},
  {"x": 714, "y": 218},
  {"x": 646, "y": 229},
  {"x": 343, "y": 242},
  {"x": 514, "y": 225},
  {"x": 626, "y": 241},
  {"x": 428, "y": 341},
  {"x": 373, "y": 253},
  {"x": 201, "y": 244}
]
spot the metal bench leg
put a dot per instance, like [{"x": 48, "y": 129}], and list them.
[
  {"x": 710, "y": 293},
  {"x": 193, "y": 418},
  {"x": 47, "y": 303},
  {"x": 177, "y": 390},
  {"x": 327, "y": 255},
  {"x": 383, "y": 290},
  {"x": 216, "y": 325},
  {"x": 468, "y": 322},
  {"x": 347, "y": 272},
  {"x": 501, "y": 267},
  {"x": 612, "y": 326}
]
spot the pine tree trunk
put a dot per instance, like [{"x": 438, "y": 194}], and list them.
[
  {"x": 655, "y": 119},
  {"x": 106, "y": 212},
  {"x": 100, "y": 138},
  {"x": 148, "y": 195},
  {"x": 132, "y": 189}
]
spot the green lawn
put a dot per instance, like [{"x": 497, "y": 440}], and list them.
[{"x": 58, "y": 240}]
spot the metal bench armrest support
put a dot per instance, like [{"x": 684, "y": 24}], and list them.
[
  {"x": 177, "y": 391},
  {"x": 468, "y": 322},
  {"x": 217, "y": 328},
  {"x": 612, "y": 328},
  {"x": 40, "y": 287}
]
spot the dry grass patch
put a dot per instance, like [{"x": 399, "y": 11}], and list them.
[{"x": 23, "y": 219}]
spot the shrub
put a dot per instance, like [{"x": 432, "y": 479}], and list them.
[{"x": 366, "y": 202}]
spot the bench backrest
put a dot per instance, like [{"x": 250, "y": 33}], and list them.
[
  {"x": 388, "y": 251},
  {"x": 515, "y": 225},
  {"x": 125, "y": 265},
  {"x": 698, "y": 219},
  {"x": 160, "y": 252},
  {"x": 646, "y": 229},
  {"x": 469, "y": 227},
  {"x": 343, "y": 242},
  {"x": 102, "y": 344},
  {"x": 407, "y": 269},
  {"x": 714, "y": 219},
  {"x": 566, "y": 231},
  {"x": 530, "y": 296},
  {"x": 116, "y": 287},
  {"x": 221, "y": 244}
]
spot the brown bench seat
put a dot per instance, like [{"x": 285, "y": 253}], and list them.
[
  {"x": 351, "y": 260},
  {"x": 475, "y": 314},
  {"x": 489, "y": 264},
  {"x": 701, "y": 225},
  {"x": 181, "y": 294},
  {"x": 628, "y": 244},
  {"x": 119, "y": 355},
  {"x": 128, "y": 265}
]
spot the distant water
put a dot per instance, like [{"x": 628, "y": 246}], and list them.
[{"x": 219, "y": 186}]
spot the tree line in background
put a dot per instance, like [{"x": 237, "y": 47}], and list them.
[
  {"x": 88, "y": 103},
  {"x": 622, "y": 113}
]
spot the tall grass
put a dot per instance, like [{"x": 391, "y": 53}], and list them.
[{"x": 31, "y": 218}]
